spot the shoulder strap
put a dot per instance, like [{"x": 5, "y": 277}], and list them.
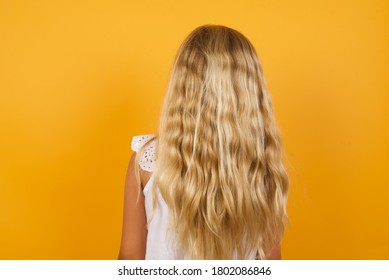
[
  {"x": 139, "y": 141},
  {"x": 148, "y": 158}
]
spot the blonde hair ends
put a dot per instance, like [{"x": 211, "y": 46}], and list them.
[{"x": 219, "y": 157}]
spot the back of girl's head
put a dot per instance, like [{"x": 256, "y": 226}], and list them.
[{"x": 219, "y": 165}]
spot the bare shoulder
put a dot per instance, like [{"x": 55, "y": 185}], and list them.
[{"x": 144, "y": 175}]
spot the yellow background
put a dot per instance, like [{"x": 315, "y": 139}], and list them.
[{"x": 79, "y": 78}]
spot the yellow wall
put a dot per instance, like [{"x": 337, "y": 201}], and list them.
[{"x": 79, "y": 78}]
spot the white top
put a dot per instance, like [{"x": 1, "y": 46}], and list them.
[{"x": 159, "y": 244}]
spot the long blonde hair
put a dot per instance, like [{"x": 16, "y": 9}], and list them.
[{"x": 219, "y": 160}]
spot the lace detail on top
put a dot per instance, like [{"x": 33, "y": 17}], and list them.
[{"x": 148, "y": 159}]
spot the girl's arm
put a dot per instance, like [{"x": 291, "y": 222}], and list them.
[{"x": 134, "y": 233}]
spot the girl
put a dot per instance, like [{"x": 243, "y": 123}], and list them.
[{"x": 218, "y": 188}]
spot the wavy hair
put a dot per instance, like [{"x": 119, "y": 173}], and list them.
[{"x": 219, "y": 158}]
